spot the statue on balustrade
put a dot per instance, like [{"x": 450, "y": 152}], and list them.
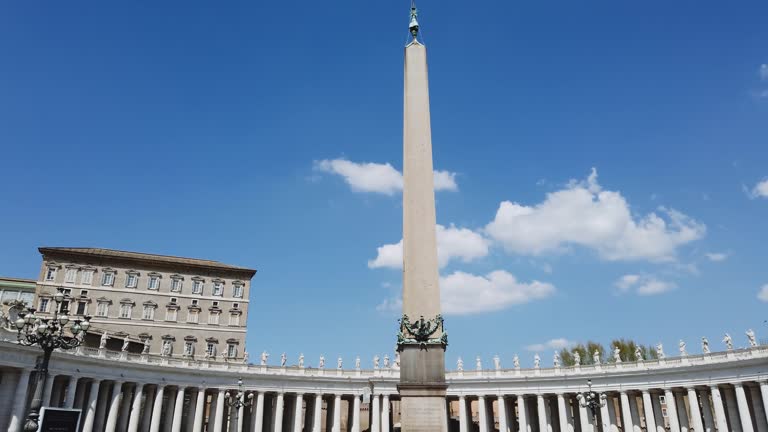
[
  {"x": 751, "y": 337},
  {"x": 682, "y": 347},
  {"x": 103, "y": 341},
  {"x": 516, "y": 362},
  {"x": 596, "y": 357},
  {"x": 704, "y": 345},
  {"x": 167, "y": 348},
  {"x": 556, "y": 360},
  {"x": 478, "y": 363},
  {"x": 638, "y": 354},
  {"x": 321, "y": 365},
  {"x": 728, "y": 342},
  {"x": 357, "y": 362},
  {"x": 301, "y": 360},
  {"x": 245, "y": 356},
  {"x": 146, "y": 347},
  {"x": 617, "y": 354},
  {"x": 283, "y": 360},
  {"x": 125, "y": 345},
  {"x": 660, "y": 351},
  {"x": 386, "y": 361},
  {"x": 536, "y": 361},
  {"x": 496, "y": 362},
  {"x": 339, "y": 363},
  {"x": 264, "y": 358},
  {"x": 376, "y": 361},
  {"x": 460, "y": 364},
  {"x": 576, "y": 358}
]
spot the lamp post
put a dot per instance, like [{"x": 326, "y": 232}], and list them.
[
  {"x": 49, "y": 334},
  {"x": 238, "y": 400},
  {"x": 592, "y": 400}
]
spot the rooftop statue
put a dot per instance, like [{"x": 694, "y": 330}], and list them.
[
  {"x": 660, "y": 351},
  {"x": 556, "y": 360},
  {"x": 638, "y": 354},
  {"x": 460, "y": 364},
  {"x": 536, "y": 361},
  {"x": 103, "y": 341},
  {"x": 478, "y": 363},
  {"x": 357, "y": 362},
  {"x": 751, "y": 337},
  {"x": 264, "y": 358},
  {"x": 283, "y": 359},
  {"x": 617, "y": 354},
  {"x": 704, "y": 345},
  {"x": 682, "y": 346},
  {"x": 596, "y": 357},
  {"x": 339, "y": 363},
  {"x": 516, "y": 361},
  {"x": 728, "y": 342},
  {"x": 301, "y": 360},
  {"x": 496, "y": 362},
  {"x": 576, "y": 358},
  {"x": 321, "y": 365}
]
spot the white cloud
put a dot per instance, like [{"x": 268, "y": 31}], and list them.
[
  {"x": 643, "y": 285},
  {"x": 392, "y": 304},
  {"x": 452, "y": 243},
  {"x": 464, "y": 293},
  {"x": 554, "y": 344},
  {"x": 760, "y": 190},
  {"x": 763, "y": 293},
  {"x": 586, "y": 215},
  {"x": 716, "y": 256},
  {"x": 378, "y": 178},
  {"x": 764, "y": 72}
]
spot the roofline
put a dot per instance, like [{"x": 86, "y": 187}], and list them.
[
  {"x": 15, "y": 279},
  {"x": 223, "y": 267}
]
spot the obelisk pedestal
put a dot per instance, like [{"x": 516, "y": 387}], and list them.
[{"x": 422, "y": 339}]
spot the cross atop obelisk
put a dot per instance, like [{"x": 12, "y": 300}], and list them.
[{"x": 421, "y": 339}]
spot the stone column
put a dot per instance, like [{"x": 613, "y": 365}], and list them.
[
  {"x": 375, "y": 414},
  {"x": 90, "y": 414},
  {"x": 584, "y": 423},
  {"x": 717, "y": 401},
  {"x": 133, "y": 422},
  {"x": 157, "y": 409},
  {"x": 733, "y": 410},
  {"x": 562, "y": 413},
  {"x": 101, "y": 407},
  {"x": 482, "y": 413},
  {"x": 336, "y": 413},
  {"x": 240, "y": 417},
  {"x": 706, "y": 409},
  {"x": 178, "y": 409},
  {"x": 650, "y": 418},
  {"x": 542, "y": 411},
  {"x": 279, "y": 412},
  {"x": 47, "y": 390},
  {"x": 674, "y": 423},
  {"x": 19, "y": 401},
  {"x": 693, "y": 405},
  {"x": 385, "y": 413},
  {"x": 634, "y": 411},
  {"x": 124, "y": 414},
  {"x": 69, "y": 398},
  {"x": 657, "y": 413},
  {"x": 682, "y": 414},
  {"x": 626, "y": 413},
  {"x": 463, "y": 427},
  {"x": 356, "y": 414},
  {"x": 258, "y": 421},
  {"x": 197, "y": 424},
  {"x": 744, "y": 415},
  {"x": 298, "y": 422},
  {"x": 522, "y": 413},
  {"x": 764, "y": 394},
  {"x": 317, "y": 414},
  {"x": 114, "y": 407},
  {"x": 146, "y": 419},
  {"x": 757, "y": 407},
  {"x": 605, "y": 417},
  {"x": 503, "y": 417}
]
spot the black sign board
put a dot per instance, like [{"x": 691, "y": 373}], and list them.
[{"x": 59, "y": 420}]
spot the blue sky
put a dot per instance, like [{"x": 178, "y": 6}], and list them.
[{"x": 259, "y": 134}]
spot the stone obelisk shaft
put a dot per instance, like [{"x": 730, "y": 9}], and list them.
[
  {"x": 422, "y": 374},
  {"x": 421, "y": 292}
]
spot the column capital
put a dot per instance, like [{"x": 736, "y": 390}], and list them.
[
  {"x": 714, "y": 387},
  {"x": 738, "y": 384}
]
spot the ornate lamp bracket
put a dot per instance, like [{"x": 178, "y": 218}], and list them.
[{"x": 423, "y": 332}]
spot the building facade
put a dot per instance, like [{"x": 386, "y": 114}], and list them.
[
  {"x": 15, "y": 294},
  {"x": 164, "y": 305}
]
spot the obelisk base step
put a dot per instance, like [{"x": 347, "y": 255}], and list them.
[{"x": 423, "y": 408}]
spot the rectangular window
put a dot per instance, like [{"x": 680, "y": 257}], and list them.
[
  {"x": 197, "y": 287},
  {"x": 192, "y": 316},
  {"x": 174, "y": 300},
  {"x": 43, "y": 307},
  {"x": 81, "y": 308},
  {"x": 218, "y": 288},
  {"x": 189, "y": 348},
  {"x": 131, "y": 280},
  {"x": 148, "y": 313},
  {"x": 231, "y": 350},
  {"x": 154, "y": 283},
  {"x": 171, "y": 314},
  {"x": 235, "y": 305},
  {"x": 237, "y": 291},
  {"x": 83, "y": 293},
  {"x": 175, "y": 285},
  {"x": 194, "y": 302},
  {"x": 213, "y": 318},
  {"x": 108, "y": 279},
  {"x": 64, "y": 306},
  {"x": 50, "y": 274},
  {"x": 70, "y": 276},
  {"x": 215, "y": 304},
  {"x": 102, "y": 309},
  {"x": 210, "y": 349},
  {"x": 126, "y": 310},
  {"x": 87, "y": 277},
  {"x": 234, "y": 319}
]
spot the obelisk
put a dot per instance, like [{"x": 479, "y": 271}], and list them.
[{"x": 421, "y": 340}]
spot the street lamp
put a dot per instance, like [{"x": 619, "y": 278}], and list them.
[
  {"x": 591, "y": 399},
  {"x": 49, "y": 334},
  {"x": 238, "y": 400}
]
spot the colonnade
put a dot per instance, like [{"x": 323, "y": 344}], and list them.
[{"x": 737, "y": 407}]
